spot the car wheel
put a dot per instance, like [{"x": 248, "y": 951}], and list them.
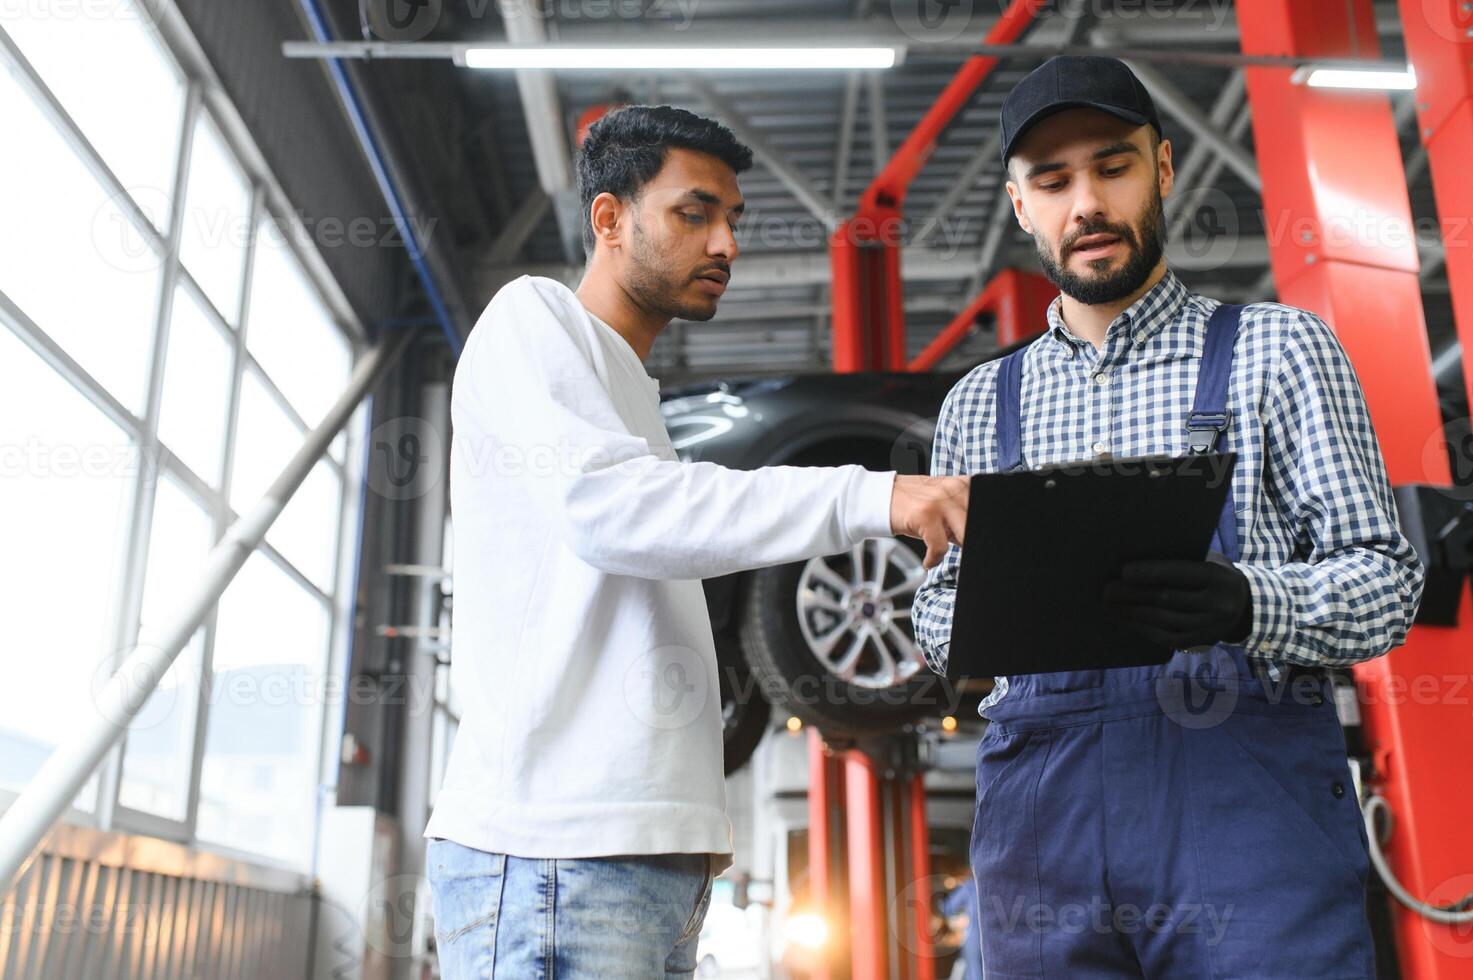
[
  {"x": 831, "y": 639},
  {"x": 745, "y": 713}
]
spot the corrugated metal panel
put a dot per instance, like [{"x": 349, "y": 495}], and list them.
[{"x": 72, "y": 918}]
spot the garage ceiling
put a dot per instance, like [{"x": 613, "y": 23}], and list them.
[{"x": 466, "y": 136}]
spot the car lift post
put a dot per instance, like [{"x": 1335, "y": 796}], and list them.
[
  {"x": 1439, "y": 41},
  {"x": 1339, "y": 226},
  {"x": 885, "y": 835}
]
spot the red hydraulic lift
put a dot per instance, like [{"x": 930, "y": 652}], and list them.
[
  {"x": 1338, "y": 223},
  {"x": 869, "y": 865}
]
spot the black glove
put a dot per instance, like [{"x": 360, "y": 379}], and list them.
[{"x": 1183, "y": 604}]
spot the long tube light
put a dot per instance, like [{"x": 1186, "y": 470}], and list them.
[
  {"x": 1380, "y": 80},
  {"x": 680, "y": 59}
]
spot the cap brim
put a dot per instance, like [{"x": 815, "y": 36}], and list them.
[{"x": 1119, "y": 112}]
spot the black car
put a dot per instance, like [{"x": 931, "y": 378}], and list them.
[{"x": 828, "y": 640}]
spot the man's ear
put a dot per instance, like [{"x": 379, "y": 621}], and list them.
[
  {"x": 606, "y": 215},
  {"x": 1018, "y": 212},
  {"x": 1165, "y": 169}
]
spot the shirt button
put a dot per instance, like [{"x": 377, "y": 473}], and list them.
[
  {"x": 1099, "y": 447},
  {"x": 1100, "y": 379},
  {"x": 1140, "y": 337},
  {"x": 1337, "y": 789}
]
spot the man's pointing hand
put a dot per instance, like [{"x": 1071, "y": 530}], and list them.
[{"x": 932, "y": 508}]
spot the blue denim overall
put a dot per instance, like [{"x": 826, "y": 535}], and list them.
[{"x": 1191, "y": 820}]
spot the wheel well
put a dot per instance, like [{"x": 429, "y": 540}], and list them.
[{"x": 903, "y": 452}]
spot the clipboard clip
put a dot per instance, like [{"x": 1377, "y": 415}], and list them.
[{"x": 1204, "y": 428}]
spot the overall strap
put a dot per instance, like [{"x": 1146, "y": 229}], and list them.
[
  {"x": 1210, "y": 416},
  {"x": 1010, "y": 412}
]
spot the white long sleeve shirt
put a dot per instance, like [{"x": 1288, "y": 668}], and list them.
[{"x": 582, "y": 650}]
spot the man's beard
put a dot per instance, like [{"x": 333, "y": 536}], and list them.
[
  {"x": 1145, "y": 241},
  {"x": 657, "y": 288}
]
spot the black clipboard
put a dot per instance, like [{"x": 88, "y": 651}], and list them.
[{"x": 1042, "y": 543}]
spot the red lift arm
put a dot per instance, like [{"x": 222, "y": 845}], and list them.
[
  {"x": 1339, "y": 225},
  {"x": 864, "y": 251}
]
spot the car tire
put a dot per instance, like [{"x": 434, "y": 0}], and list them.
[
  {"x": 745, "y": 713},
  {"x": 790, "y": 670}
]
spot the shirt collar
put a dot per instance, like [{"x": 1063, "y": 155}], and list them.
[{"x": 1145, "y": 317}]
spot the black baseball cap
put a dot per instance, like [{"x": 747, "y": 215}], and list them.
[{"x": 1072, "y": 81}]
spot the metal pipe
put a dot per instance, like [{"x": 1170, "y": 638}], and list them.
[
  {"x": 1176, "y": 55},
  {"x": 1187, "y": 202},
  {"x": 1186, "y": 112},
  {"x": 847, "y": 113},
  {"x": 772, "y": 158},
  {"x": 25, "y": 824},
  {"x": 358, "y": 119}
]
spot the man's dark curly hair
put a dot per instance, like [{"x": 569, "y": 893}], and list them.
[{"x": 626, "y": 148}]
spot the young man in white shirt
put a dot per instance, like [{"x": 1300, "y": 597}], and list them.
[{"x": 582, "y": 817}]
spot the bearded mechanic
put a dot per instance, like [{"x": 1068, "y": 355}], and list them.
[{"x": 1195, "y": 819}]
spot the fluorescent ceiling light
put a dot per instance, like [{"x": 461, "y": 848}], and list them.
[
  {"x": 695, "y": 59},
  {"x": 1357, "y": 78}
]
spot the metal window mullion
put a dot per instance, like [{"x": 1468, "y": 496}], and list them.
[
  {"x": 276, "y": 393},
  {"x": 294, "y": 573},
  {"x": 223, "y": 515},
  {"x": 279, "y": 396},
  {"x": 72, "y": 133},
  {"x": 145, "y": 484},
  {"x": 206, "y": 496},
  {"x": 147, "y": 824},
  {"x": 350, "y": 506},
  {"x": 46, "y": 348},
  {"x": 187, "y": 280}
]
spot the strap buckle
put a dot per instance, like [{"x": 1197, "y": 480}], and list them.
[{"x": 1204, "y": 428}]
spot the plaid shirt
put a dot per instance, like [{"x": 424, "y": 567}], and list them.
[{"x": 1333, "y": 579}]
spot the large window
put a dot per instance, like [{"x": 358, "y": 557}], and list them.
[
  {"x": 164, "y": 349},
  {"x": 67, "y": 473}
]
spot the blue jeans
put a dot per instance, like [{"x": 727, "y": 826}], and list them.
[{"x": 633, "y": 917}]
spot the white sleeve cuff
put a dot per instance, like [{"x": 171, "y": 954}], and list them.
[{"x": 866, "y": 505}]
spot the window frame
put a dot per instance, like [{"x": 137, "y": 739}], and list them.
[{"x": 205, "y": 103}]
